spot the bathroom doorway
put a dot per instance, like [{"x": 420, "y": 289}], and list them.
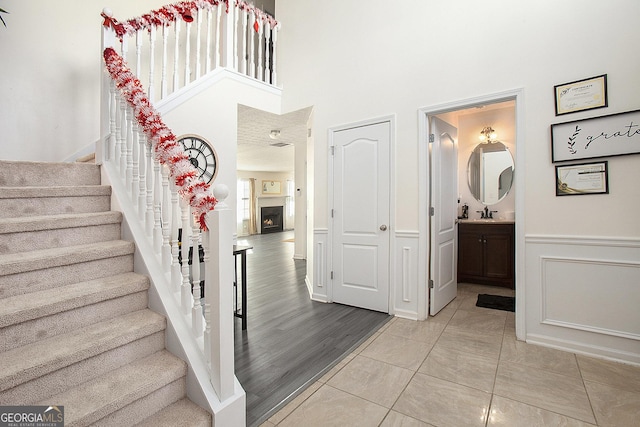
[{"x": 471, "y": 117}]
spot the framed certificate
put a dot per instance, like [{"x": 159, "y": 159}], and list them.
[
  {"x": 586, "y": 178},
  {"x": 581, "y": 95}
]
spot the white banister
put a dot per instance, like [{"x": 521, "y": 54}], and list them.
[
  {"x": 166, "y": 220},
  {"x": 142, "y": 193},
  {"x": 152, "y": 62},
  {"x": 219, "y": 294},
  {"x": 198, "y": 33},
  {"x": 251, "y": 37},
  {"x": 207, "y": 63},
  {"x": 187, "y": 59}
]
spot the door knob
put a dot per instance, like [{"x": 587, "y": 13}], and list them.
[{"x": 383, "y": 227}]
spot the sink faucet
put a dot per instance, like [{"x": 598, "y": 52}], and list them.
[{"x": 486, "y": 213}]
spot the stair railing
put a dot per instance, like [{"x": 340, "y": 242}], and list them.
[
  {"x": 164, "y": 195},
  {"x": 179, "y": 43}
]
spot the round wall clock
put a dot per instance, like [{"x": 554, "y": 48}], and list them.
[{"x": 202, "y": 155}]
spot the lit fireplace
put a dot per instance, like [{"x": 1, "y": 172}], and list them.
[{"x": 272, "y": 219}]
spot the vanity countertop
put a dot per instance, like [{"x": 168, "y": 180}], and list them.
[{"x": 486, "y": 221}]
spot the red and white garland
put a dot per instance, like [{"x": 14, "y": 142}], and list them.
[
  {"x": 182, "y": 10},
  {"x": 168, "y": 150}
]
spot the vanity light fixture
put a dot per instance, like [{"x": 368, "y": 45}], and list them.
[
  {"x": 274, "y": 134},
  {"x": 488, "y": 135}
]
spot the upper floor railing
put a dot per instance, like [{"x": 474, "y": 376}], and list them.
[{"x": 173, "y": 46}]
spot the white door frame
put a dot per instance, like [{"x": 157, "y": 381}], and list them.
[
  {"x": 391, "y": 119},
  {"x": 519, "y": 186}
]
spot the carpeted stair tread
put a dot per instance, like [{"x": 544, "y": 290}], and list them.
[
  {"x": 182, "y": 413},
  {"x": 54, "y": 191},
  {"x": 22, "y": 308},
  {"x": 34, "y": 360},
  {"x": 53, "y": 222},
  {"x": 100, "y": 397},
  {"x": 23, "y": 173},
  {"x": 46, "y": 258}
]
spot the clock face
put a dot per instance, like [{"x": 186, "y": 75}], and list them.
[{"x": 202, "y": 156}]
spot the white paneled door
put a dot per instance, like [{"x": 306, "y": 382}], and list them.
[
  {"x": 361, "y": 229},
  {"x": 443, "y": 220}
]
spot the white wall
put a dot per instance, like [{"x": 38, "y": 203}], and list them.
[
  {"x": 353, "y": 61},
  {"x": 50, "y": 74}
]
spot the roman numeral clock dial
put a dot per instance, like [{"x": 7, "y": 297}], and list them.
[{"x": 202, "y": 155}]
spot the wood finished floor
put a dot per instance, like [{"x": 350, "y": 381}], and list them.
[{"x": 290, "y": 340}]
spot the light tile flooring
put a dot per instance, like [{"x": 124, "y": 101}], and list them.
[{"x": 464, "y": 367}]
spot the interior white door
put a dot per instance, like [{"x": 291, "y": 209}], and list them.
[
  {"x": 443, "y": 221},
  {"x": 361, "y": 176}
]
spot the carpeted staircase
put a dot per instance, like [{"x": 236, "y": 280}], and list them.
[{"x": 75, "y": 329}]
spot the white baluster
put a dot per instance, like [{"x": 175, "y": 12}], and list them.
[
  {"x": 138, "y": 53},
  {"x": 219, "y": 276},
  {"x": 187, "y": 52},
  {"x": 123, "y": 137},
  {"x": 251, "y": 35},
  {"x": 274, "y": 79},
  {"x": 166, "y": 218},
  {"x": 129, "y": 148},
  {"x": 243, "y": 49},
  {"x": 157, "y": 206},
  {"x": 149, "y": 205},
  {"x": 135, "y": 162},
  {"x": 260, "y": 72},
  {"x": 207, "y": 306},
  {"x": 142, "y": 194},
  {"x": 207, "y": 64},
  {"x": 267, "y": 56},
  {"x": 217, "y": 36},
  {"x": 163, "y": 83},
  {"x": 185, "y": 289},
  {"x": 113, "y": 110},
  {"x": 235, "y": 20},
  {"x": 176, "y": 277},
  {"x": 196, "y": 311},
  {"x": 198, "y": 37},
  {"x": 176, "y": 54},
  {"x": 152, "y": 61}
]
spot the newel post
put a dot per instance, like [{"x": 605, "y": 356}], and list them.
[
  {"x": 108, "y": 40},
  {"x": 219, "y": 295}
]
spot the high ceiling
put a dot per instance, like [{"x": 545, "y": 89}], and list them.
[{"x": 257, "y": 151}]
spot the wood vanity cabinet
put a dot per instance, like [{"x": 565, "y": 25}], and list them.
[{"x": 486, "y": 253}]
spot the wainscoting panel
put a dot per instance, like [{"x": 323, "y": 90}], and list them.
[
  {"x": 404, "y": 279},
  {"x": 583, "y": 294},
  {"x": 320, "y": 265}
]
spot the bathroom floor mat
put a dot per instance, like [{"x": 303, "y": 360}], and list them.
[{"x": 496, "y": 302}]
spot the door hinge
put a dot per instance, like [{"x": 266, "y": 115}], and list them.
[
  {"x": 432, "y": 211},
  {"x": 332, "y": 275},
  {"x": 331, "y": 213},
  {"x": 430, "y": 284},
  {"x": 332, "y": 149},
  {"x": 432, "y": 137}
]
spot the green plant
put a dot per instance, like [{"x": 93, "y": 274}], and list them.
[{"x": 1, "y": 19}]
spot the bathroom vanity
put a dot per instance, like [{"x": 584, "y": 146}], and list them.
[{"x": 486, "y": 252}]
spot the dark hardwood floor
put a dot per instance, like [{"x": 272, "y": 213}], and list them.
[{"x": 290, "y": 340}]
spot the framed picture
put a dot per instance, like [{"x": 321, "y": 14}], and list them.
[
  {"x": 586, "y": 178},
  {"x": 581, "y": 95},
  {"x": 270, "y": 187},
  {"x": 604, "y": 136}
]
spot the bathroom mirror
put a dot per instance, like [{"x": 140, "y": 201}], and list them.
[{"x": 490, "y": 172}]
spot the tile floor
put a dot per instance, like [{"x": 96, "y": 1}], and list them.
[{"x": 464, "y": 367}]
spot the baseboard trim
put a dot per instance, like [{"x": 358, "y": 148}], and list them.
[{"x": 584, "y": 349}]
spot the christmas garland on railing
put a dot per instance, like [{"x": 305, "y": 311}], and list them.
[
  {"x": 168, "y": 150},
  {"x": 183, "y": 10}
]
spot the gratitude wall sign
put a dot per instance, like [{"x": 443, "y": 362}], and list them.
[{"x": 605, "y": 136}]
